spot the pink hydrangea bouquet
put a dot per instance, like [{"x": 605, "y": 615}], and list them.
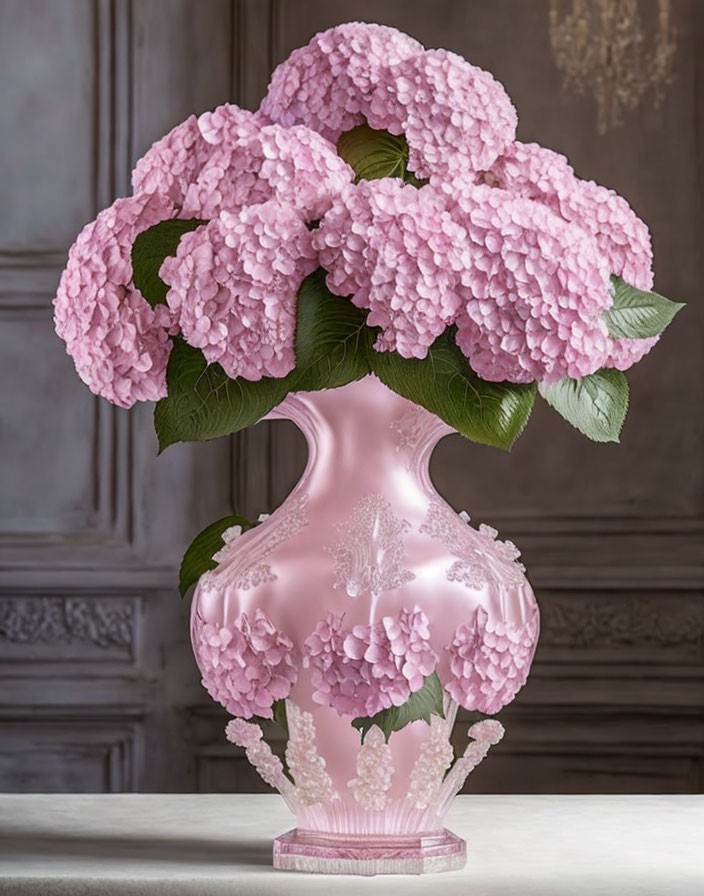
[
  {"x": 375, "y": 215},
  {"x": 373, "y": 228}
]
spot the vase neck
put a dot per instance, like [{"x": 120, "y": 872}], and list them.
[{"x": 363, "y": 433}]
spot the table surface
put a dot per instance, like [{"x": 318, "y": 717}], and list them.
[{"x": 174, "y": 844}]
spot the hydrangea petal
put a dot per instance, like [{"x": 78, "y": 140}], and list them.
[{"x": 173, "y": 163}]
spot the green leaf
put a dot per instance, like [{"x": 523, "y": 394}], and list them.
[
  {"x": 332, "y": 338},
  {"x": 596, "y": 405},
  {"x": 204, "y": 403},
  {"x": 279, "y": 710},
  {"x": 199, "y": 556},
  {"x": 420, "y": 705},
  {"x": 444, "y": 383},
  {"x": 374, "y": 154},
  {"x": 149, "y": 250},
  {"x": 637, "y": 314}
]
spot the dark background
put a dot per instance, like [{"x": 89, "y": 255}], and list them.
[{"x": 98, "y": 689}]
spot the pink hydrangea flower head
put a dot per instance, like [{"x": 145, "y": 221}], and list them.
[
  {"x": 397, "y": 251},
  {"x": 118, "y": 342},
  {"x": 367, "y": 668},
  {"x": 534, "y": 172},
  {"x": 622, "y": 237},
  {"x": 457, "y": 118},
  {"x": 233, "y": 289},
  {"x": 246, "y": 666},
  {"x": 624, "y": 240},
  {"x": 489, "y": 661},
  {"x": 294, "y": 165},
  {"x": 536, "y": 289},
  {"x": 328, "y": 84},
  {"x": 302, "y": 168},
  {"x": 173, "y": 163}
]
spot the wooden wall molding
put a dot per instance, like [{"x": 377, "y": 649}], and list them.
[
  {"x": 89, "y": 754},
  {"x": 584, "y": 622},
  {"x": 28, "y": 280}
]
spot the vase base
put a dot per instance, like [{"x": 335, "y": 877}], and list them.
[{"x": 422, "y": 854}]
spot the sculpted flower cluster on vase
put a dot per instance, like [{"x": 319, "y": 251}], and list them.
[
  {"x": 246, "y": 666},
  {"x": 483, "y": 735},
  {"x": 250, "y": 736},
  {"x": 374, "y": 771},
  {"x": 313, "y": 784},
  {"x": 364, "y": 669},
  {"x": 435, "y": 757},
  {"x": 489, "y": 661},
  {"x": 482, "y": 559},
  {"x": 229, "y": 536},
  {"x": 435, "y": 779}
]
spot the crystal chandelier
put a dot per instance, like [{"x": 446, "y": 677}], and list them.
[{"x": 601, "y": 47}]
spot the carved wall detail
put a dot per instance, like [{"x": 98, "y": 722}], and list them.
[
  {"x": 105, "y": 623},
  {"x": 578, "y": 622}
]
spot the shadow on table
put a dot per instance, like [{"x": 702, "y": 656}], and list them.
[{"x": 189, "y": 850}]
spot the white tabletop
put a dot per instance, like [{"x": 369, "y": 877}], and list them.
[{"x": 67, "y": 845}]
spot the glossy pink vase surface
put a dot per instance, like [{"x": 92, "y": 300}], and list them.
[{"x": 362, "y": 592}]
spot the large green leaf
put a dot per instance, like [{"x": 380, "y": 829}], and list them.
[
  {"x": 199, "y": 556},
  {"x": 149, "y": 250},
  {"x": 444, "y": 383},
  {"x": 637, "y": 314},
  {"x": 373, "y": 154},
  {"x": 596, "y": 405},
  {"x": 420, "y": 705},
  {"x": 204, "y": 403},
  {"x": 332, "y": 338}
]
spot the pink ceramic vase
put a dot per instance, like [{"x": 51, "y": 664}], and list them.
[{"x": 362, "y": 592}]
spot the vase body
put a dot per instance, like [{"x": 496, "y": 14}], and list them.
[{"x": 339, "y": 606}]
